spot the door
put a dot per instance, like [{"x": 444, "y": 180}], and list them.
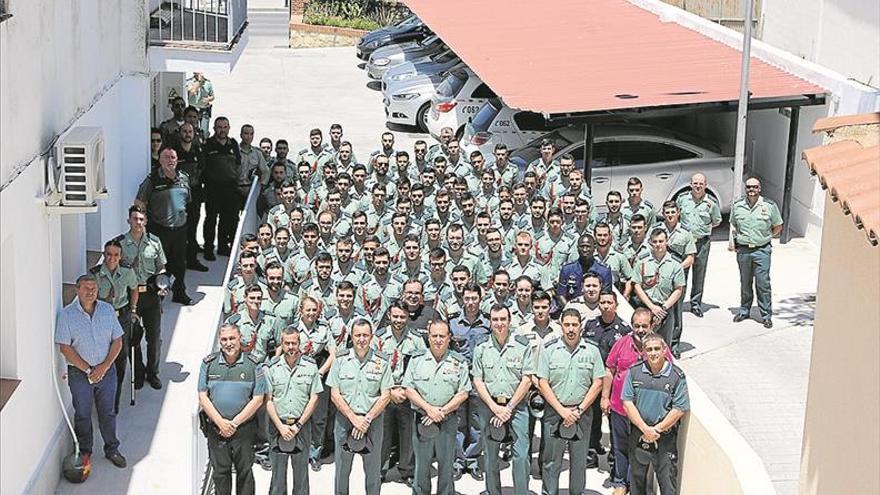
[{"x": 600, "y": 183}]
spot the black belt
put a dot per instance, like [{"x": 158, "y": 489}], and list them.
[
  {"x": 501, "y": 400},
  {"x": 751, "y": 247},
  {"x": 122, "y": 310}
]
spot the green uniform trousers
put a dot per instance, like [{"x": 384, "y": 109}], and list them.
[
  {"x": 577, "y": 454},
  {"x": 299, "y": 462},
  {"x": 372, "y": 460},
  {"x": 426, "y": 449},
  {"x": 519, "y": 424}
]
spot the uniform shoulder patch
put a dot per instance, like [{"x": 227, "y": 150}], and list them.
[
  {"x": 95, "y": 269},
  {"x": 481, "y": 339},
  {"x": 232, "y": 283},
  {"x": 343, "y": 352},
  {"x": 310, "y": 359},
  {"x": 275, "y": 360},
  {"x": 119, "y": 238},
  {"x": 382, "y": 331},
  {"x": 678, "y": 371},
  {"x": 637, "y": 364},
  {"x": 253, "y": 359},
  {"x": 303, "y": 151},
  {"x": 234, "y": 318},
  {"x": 381, "y": 355},
  {"x": 551, "y": 342},
  {"x": 210, "y": 357},
  {"x": 522, "y": 339},
  {"x": 458, "y": 356},
  {"x": 153, "y": 237}
]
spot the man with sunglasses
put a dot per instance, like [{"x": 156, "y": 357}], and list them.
[
  {"x": 755, "y": 221},
  {"x": 171, "y": 126}
]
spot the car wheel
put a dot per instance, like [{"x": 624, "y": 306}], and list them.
[{"x": 422, "y": 117}]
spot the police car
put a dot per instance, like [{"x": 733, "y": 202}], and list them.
[
  {"x": 496, "y": 123},
  {"x": 409, "y": 29},
  {"x": 407, "y": 102},
  {"x": 458, "y": 98},
  {"x": 439, "y": 64},
  {"x": 663, "y": 159}
]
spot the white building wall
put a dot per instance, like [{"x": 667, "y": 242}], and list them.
[
  {"x": 839, "y": 34},
  {"x": 64, "y": 62}
]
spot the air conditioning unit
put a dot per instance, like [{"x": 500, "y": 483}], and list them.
[{"x": 80, "y": 162}]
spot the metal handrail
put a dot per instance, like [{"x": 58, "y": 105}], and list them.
[
  {"x": 201, "y": 481},
  {"x": 204, "y": 23}
]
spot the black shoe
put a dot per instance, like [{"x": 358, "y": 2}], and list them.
[
  {"x": 155, "y": 382},
  {"x": 457, "y": 472},
  {"x": 592, "y": 459},
  {"x": 696, "y": 311},
  {"x": 199, "y": 249},
  {"x": 139, "y": 383},
  {"x": 209, "y": 255},
  {"x": 265, "y": 463},
  {"x": 196, "y": 266},
  {"x": 768, "y": 323},
  {"x": 476, "y": 473},
  {"x": 408, "y": 481},
  {"x": 224, "y": 251},
  {"x": 182, "y": 299},
  {"x": 600, "y": 450},
  {"x": 116, "y": 458},
  {"x": 740, "y": 317},
  {"x": 315, "y": 465}
]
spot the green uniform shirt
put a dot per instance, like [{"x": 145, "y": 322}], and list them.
[
  {"x": 634, "y": 252},
  {"x": 502, "y": 367},
  {"x": 658, "y": 278},
  {"x": 679, "y": 241},
  {"x": 645, "y": 208},
  {"x": 556, "y": 252},
  {"x": 284, "y": 308},
  {"x": 315, "y": 340},
  {"x": 570, "y": 372},
  {"x": 753, "y": 224},
  {"x": 231, "y": 386},
  {"x": 438, "y": 381},
  {"x": 292, "y": 386},
  {"x": 619, "y": 265},
  {"x": 256, "y": 332},
  {"x": 114, "y": 287},
  {"x": 316, "y": 160},
  {"x": 699, "y": 216},
  {"x": 233, "y": 298},
  {"x": 399, "y": 351},
  {"x": 361, "y": 383},
  {"x": 146, "y": 257}
]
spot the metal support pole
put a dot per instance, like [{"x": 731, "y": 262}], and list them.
[
  {"x": 789, "y": 172},
  {"x": 742, "y": 108},
  {"x": 588, "y": 156}
]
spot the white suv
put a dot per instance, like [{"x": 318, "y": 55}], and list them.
[
  {"x": 496, "y": 123},
  {"x": 459, "y": 96}
]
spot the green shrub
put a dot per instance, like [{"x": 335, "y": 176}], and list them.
[{"x": 326, "y": 20}]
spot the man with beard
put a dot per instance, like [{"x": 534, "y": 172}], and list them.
[
  {"x": 443, "y": 210},
  {"x": 571, "y": 276},
  {"x": 400, "y": 344},
  {"x": 321, "y": 285},
  {"x": 293, "y": 385},
  {"x": 252, "y": 164},
  {"x": 190, "y": 160},
  {"x": 420, "y": 153},
  {"x": 279, "y": 301},
  {"x": 570, "y": 372},
  {"x": 615, "y": 219},
  {"x": 421, "y": 312},
  {"x": 170, "y": 127},
  {"x": 537, "y": 224},
  {"x": 609, "y": 256},
  {"x": 387, "y": 150},
  {"x": 506, "y": 226},
  {"x": 316, "y": 154},
  {"x": 503, "y": 367},
  {"x": 468, "y": 217},
  {"x": 220, "y": 176},
  {"x": 655, "y": 397},
  {"x": 307, "y": 190},
  {"x": 346, "y": 269},
  {"x": 270, "y": 195},
  {"x": 376, "y": 294},
  {"x": 458, "y": 255},
  {"x": 279, "y": 215},
  {"x": 439, "y": 149},
  {"x": 381, "y": 177},
  {"x": 231, "y": 387}
]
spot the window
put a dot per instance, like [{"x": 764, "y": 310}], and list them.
[
  {"x": 600, "y": 155},
  {"x": 483, "y": 91},
  {"x": 529, "y": 121},
  {"x": 484, "y": 117},
  {"x": 607, "y": 153},
  {"x": 451, "y": 84}
]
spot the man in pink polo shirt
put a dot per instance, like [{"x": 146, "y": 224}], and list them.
[{"x": 626, "y": 352}]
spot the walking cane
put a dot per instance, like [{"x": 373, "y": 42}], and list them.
[{"x": 131, "y": 357}]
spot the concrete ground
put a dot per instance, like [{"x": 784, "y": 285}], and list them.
[{"x": 756, "y": 377}]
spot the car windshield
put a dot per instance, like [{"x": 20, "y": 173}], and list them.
[
  {"x": 409, "y": 20},
  {"x": 560, "y": 141},
  {"x": 445, "y": 56},
  {"x": 429, "y": 41},
  {"x": 452, "y": 84},
  {"x": 484, "y": 117}
]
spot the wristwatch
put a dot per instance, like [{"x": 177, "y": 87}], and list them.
[
  {"x": 578, "y": 409},
  {"x": 88, "y": 370}
]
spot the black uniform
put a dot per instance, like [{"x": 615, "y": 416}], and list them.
[
  {"x": 166, "y": 201},
  {"x": 220, "y": 178},
  {"x": 192, "y": 163}
]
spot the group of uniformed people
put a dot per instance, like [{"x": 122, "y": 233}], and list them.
[{"x": 434, "y": 307}]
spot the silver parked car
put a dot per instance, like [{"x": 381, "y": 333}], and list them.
[
  {"x": 439, "y": 64},
  {"x": 408, "y": 102},
  {"x": 386, "y": 57},
  {"x": 664, "y": 161}
]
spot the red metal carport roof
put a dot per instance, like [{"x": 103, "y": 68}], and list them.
[{"x": 566, "y": 56}]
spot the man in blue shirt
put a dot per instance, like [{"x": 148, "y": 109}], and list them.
[
  {"x": 571, "y": 277},
  {"x": 655, "y": 397},
  {"x": 90, "y": 337}
]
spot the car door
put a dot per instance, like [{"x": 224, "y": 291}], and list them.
[
  {"x": 472, "y": 96},
  {"x": 655, "y": 162},
  {"x": 526, "y": 127}
]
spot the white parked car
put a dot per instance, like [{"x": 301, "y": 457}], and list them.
[
  {"x": 459, "y": 97},
  {"x": 664, "y": 161},
  {"x": 407, "y": 102},
  {"x": 496, "y": 123}
]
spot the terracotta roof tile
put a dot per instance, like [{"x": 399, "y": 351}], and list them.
[
  {"x": 559, "y": 56},
  {"x": 850, "y": 172}
]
